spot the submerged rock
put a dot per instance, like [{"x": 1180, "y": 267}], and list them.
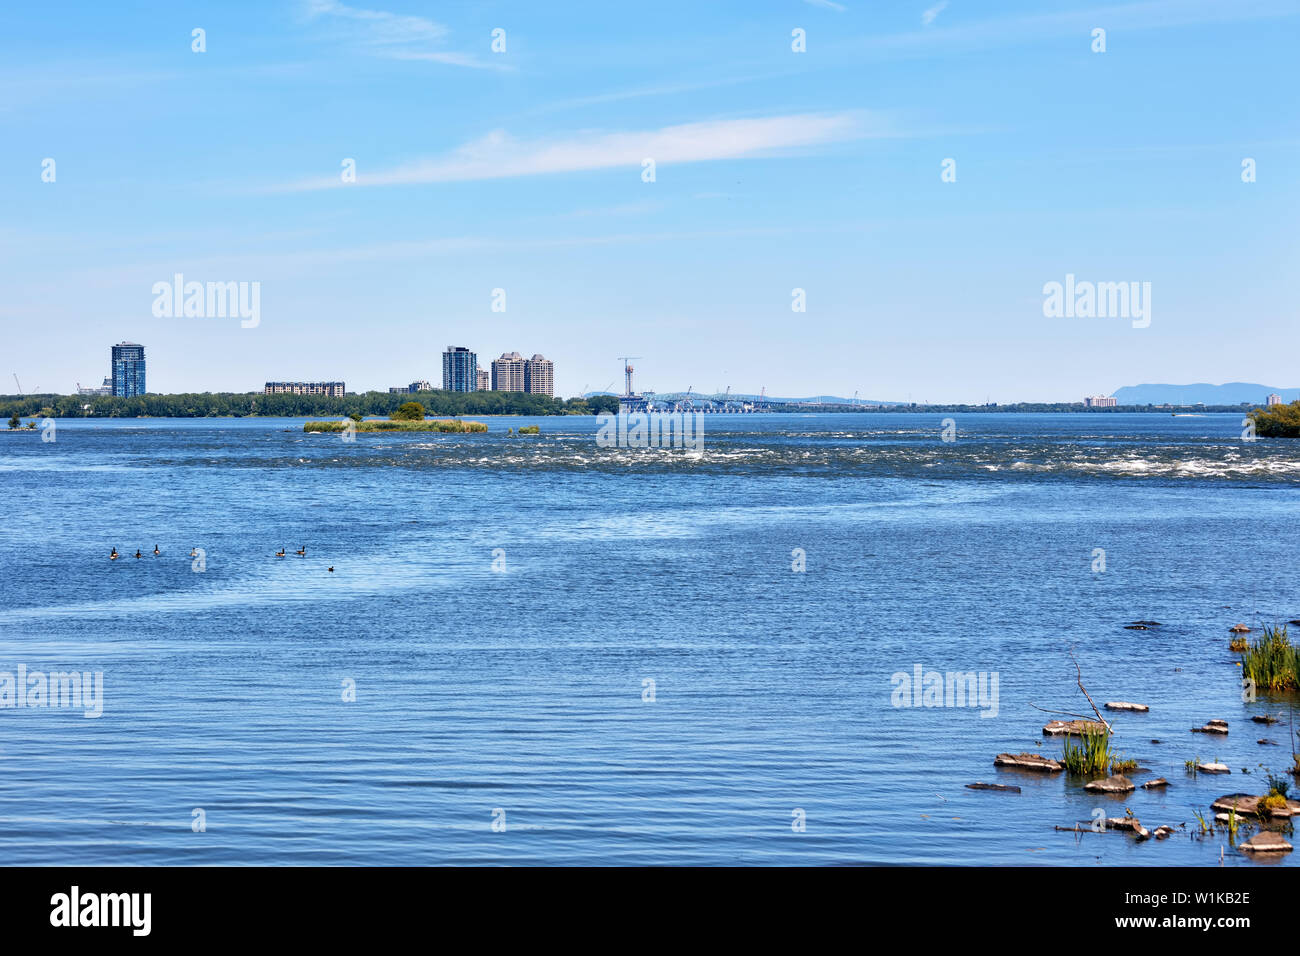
[
  {"x": 1266, "y": 841},
  {"x": 1028, "y": 762},
  {"x": 1163, "y": 832},
  {"x": 1142, "y": 625},
  {"x": 1212, "y": 727},
  {"x": 992, "y": 786},
  {"x": 1153, "y": 784},
  {"x": 1125, "y": 705},
  {"x": 1264, "y": 719},
  {"x": 1265, "y": 741},
  {"x": 1076, "y": 728},
  {"x": 1116, "y": 784}
]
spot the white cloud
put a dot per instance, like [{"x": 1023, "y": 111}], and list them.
[
  {"x": 828, "y": 4},
  {"x": 929, "y": 15},
  {"x": 500, "y": 156},
  {"x": 394, "y": 35}
]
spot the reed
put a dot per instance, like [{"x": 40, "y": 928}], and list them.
[
  {"x": 1091, "y": 756},
  {"x": 1272, "y": 662}
]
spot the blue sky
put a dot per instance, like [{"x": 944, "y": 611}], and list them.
[{"x": 774, "y": 170}]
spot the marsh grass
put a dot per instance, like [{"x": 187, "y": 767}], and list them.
[
  {"x": 1272, "y": 662},
  {"x": 1091, "y": 756}
]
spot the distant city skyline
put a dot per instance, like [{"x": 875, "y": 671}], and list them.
[{"x": 378, "y": 182}]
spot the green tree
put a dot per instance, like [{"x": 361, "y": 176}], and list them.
[
  {"x": 409, "y": 412},
  {"x": 15, "y": 421}
]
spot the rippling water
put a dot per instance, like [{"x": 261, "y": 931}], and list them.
[{"x": 500, "y": 603}]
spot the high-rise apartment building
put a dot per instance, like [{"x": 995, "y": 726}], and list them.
[
  {"x": 1100, "y": 401},
  {"x": 508, "y": 373},
  {"x": 1275, "y": 399},
  {"x": 128, "y": 369},
  {"x": 459, "y": 366},
  {"x": 483, "y": 378},
  {"x": 539, "y": 376},
  {"x": 334, "y": 389}
]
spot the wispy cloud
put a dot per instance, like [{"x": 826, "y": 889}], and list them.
[
  {"x": 500, "y": 156},
  {"x": 928, "y": 16},
  {"x": 828, "y": 4},
  {"x": 395, "y": 36}
]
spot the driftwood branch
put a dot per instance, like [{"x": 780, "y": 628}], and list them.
[{"x": 1079, "y": 671}]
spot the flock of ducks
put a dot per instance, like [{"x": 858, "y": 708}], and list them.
[{"x": 194, "y": 553}]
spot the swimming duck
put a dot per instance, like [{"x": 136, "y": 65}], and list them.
[
  {"x": 302, "y": 551},
  {"x": 194, "y": 552},
  {"x": 155, "y": 550},
  {"x": 138, "y": 554},
  {"x": 329, "y": 569},
  {"x": 280, "y": 553},
  {"x": 114, "y": 555}
]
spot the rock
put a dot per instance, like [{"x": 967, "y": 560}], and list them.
[
  {"x": 1153, "y": 784},
  {"x": 1136, "y": 627},
  {"x": 1266, "y": 841},
  {"x": 1248, "y": 805},
  {"x": 1143, "y": 625},
  {"x": 1125, "y": 705},
  {"x": 1264, "y": 719},
  {"x": 1239, "y": 629},
  {"x": 1142, "y": 833},
  {"x": 1212, "y": 768},
  {"x": 1294, "y": 622},
  {"x": 1212, "y": 727},
  {"x": 1123, "y": 823},
  {"x": 1116, "y": 784},
  {"x": 1163, "y": 832},
  {"x": 992, "y": 786},
  {"x": 1077, "y": 728},
  {"x": 1266, "y": 742},
  {"x": 1028, "y": 762},
  {"x": 1154, "y": 740}
]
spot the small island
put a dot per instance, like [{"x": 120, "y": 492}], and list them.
[
  {"x": 408, "y": 418},
  {"x": 1277, "y": 421}
]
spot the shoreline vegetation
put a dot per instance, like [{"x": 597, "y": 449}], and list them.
[
  {"x": 1279, "y": 421},
  {"x": 452, "y": 425}
]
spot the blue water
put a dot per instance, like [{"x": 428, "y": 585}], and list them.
[{"x": 519, "y": 688}]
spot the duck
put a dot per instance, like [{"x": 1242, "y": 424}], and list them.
[
  {"x": 155, "y": 550},
  {"x": 138, "y": 554},
  {"x": 329, "y": 569},
  {"x": 280, "y": 553},
  {"x": 113, "y": 556},
  {"x": 302, "y": 551},
  {"x": 194, "y": 552}
]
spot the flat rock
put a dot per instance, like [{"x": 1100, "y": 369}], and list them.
[
  {"x": 1125, "y": 705},
  {"x": 1266, "y": 742},
  {"x": 1266, "y": 841},
  {"x": 1028, "y": 762},
  {"x": 1153, "y": 784},
  {"x": 1248, "y": 805},
  {"x": 1163, "y": 832},
  {"x": 1239, "y": 629},
  {"x": 1264, "y": 719},
  {"x": 1212, "y": 727},
  {"x": 1077, "y": 728},
  {"x": 1116, "y": 784},
  {"x": 1123, "y": 823},
  {"x": 1136, "y": 627},
  {"x": 1143, "y": 625},
  {"x": 992, "y": 786},
  {"x": 1212, "y": 768}
]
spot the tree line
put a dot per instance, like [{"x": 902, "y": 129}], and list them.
[{"x": 241, "y": 405}]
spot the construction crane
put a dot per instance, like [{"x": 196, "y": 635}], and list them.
[{"x": 627, "y": 372}]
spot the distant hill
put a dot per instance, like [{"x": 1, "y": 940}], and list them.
[{"x": 1231, "y": 393}]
